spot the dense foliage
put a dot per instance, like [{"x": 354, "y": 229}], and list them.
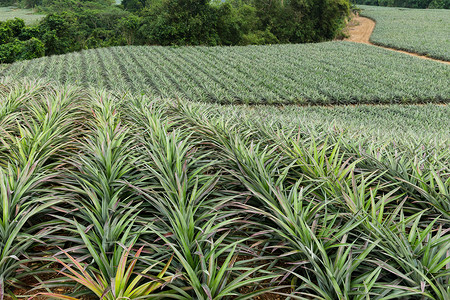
[
  {"x": 407, "y": 3},
  {"x": 129, "y": 196},
  {"x": 16, "y": 42},
  {"x": 76, "y": 25},
  {"x": 423, "y": 31},
  {"x": 238, "y": 22},
  {"x": 324, "y": 73},
  {"x": 64, "y": 29}
]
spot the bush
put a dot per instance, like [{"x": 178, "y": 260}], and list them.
[
  {"x": 133, "y": 5},
  {"x": 129, "y": 26},
  {"x": 180, "y": 22},
  {"x": 236, "y": 23},
  {"x": 4, "y": 3},
  {"x": 260, "y": 38},
  {"x": 5, "y": 33},
  {"x": 10, "y": 29},
  {"x": 33, "y": 48},
  {"x": 18, "y": 42},
  {"x": 21, "y": 50},
  {"x": 58, "y": 33},
  {"x": 301, "y": 21}
]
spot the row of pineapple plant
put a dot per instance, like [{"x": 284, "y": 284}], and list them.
[
  {"x": 332, "y": 73},
  {"x": 118, "y": 196}
]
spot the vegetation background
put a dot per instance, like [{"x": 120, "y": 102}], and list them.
[
  {"x": 76, "y": 25},
  {"x": 72, "y": 25}
]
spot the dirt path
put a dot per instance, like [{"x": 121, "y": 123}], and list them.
[{"x": 360, "y": 29}]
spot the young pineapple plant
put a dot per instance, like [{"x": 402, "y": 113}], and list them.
[
  {"x": 33, "y": 150},
  {"x": 125, "y": 196},
  {"x": 194, "y": 218},
  {"x": 127, "y": 282}
]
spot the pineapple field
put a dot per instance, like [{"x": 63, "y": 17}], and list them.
[
  {"x": 115, "y": 195},
  {"x": 422, "y": 31},
  {"x": 266, "y": 172},
  {"x": 307, "y": 74}
]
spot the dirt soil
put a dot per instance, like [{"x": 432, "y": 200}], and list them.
[{"x": 360, "y": 29}]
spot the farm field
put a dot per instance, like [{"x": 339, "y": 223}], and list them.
[
  {"x": 11, "y": 12},
  {"x": 409, "y": 125},
  {"x": 325, "y": 73},
  {"x": 423, "y": 31},
  {"x": 221, "y": 202},
  {"x": 311, "y": 171}
]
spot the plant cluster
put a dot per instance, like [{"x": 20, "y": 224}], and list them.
[
  {"x": 239, "y": 22},
  {"x": 61, "y": 32},
  {"x": 16, "y": 43},
  {"x": 130, "y": 197},
  {"x": 422, "y": 31},
  {"x": 325, "y": 73}
]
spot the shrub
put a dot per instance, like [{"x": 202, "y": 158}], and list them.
[{"x": 21, "y": 50}]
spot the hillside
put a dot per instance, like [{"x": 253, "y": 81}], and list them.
[
  {"x": 325, "y": 73},
  {"x": 423, "y": 31}
]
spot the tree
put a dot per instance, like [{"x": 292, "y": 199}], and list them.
[
  {"x": 20, "y": 50},
  {"x": 58, "y": 33},
  {"x": 180, "y": 22},
  {"x": 133, "y": 5},
  {"x": 129, "y": 26}
]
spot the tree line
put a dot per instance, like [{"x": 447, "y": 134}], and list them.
[{"x": 73, "y": 25}]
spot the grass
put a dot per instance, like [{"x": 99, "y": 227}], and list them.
[
  {"x": 28, "y": 15},
  {"x": 326, "y": 73},
  {"x": 424, "y": 31},
  {"x": 138, "y": 196}
]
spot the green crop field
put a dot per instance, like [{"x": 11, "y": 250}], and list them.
[
  {"x": 309, "y": 171},
  {"x": 326, "y": 73},
  {"x": 408, "y": 124},
  {"x": 190, "y": 200},
  {"x": 11, "y": 12},
  {"x": 424, "y": 31}
]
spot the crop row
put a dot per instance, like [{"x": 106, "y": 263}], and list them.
[
  {"x": 132, "y": 197},
  {"x": 327, "y": 73},
  {"x": 28, "y": 15},
  {"x": 409, "y": 125},
  {"x": 423, "y": 31}
]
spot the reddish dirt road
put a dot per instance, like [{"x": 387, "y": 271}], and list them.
[{"x": 360, "y": 29}]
